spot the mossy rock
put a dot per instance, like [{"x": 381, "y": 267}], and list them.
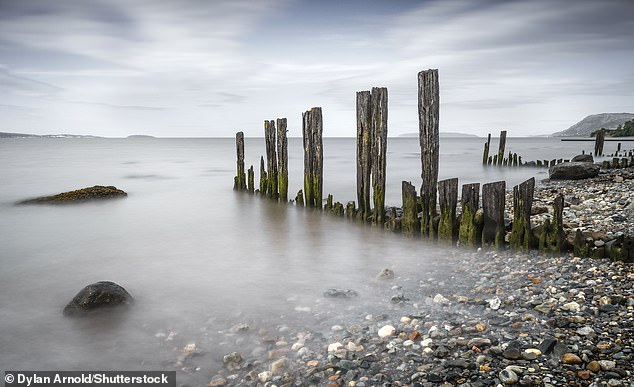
[
  {"x": 97, "y": 192},
  {"x": 98, "y": 295}
]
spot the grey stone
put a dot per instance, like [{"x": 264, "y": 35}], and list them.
[{"x": 573, "y": 171}]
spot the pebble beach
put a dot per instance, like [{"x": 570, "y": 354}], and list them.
[{"x": 481, "y": 318}]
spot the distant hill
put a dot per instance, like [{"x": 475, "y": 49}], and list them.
[
  {"x": 140, "y": 136},
  {"x": 441, "y": 134},
  {"x": 595, "y": 122},
  {"x": 26, "y": 135}
]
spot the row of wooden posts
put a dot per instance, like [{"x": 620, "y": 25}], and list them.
[
  {"x": 513, "y": 159},
  {"x": 418, "y": 214}
]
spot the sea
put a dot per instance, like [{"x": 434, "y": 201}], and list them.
[{"x": 198, "y": 257}]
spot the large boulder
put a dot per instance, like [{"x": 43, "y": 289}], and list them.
[
  {"x": 98, "y": 295},
  {"x": 583, "y": 158},
  {"x": 573, "y": 171},
  {"x": 97, "y": 192}
]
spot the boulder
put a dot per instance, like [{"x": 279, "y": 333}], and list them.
[
  {"x": 573, "y": 171},
  {"x": 583, "y": 159},
  {"x": 98, "y": 295},
  {"x": 97, "y": 192}
]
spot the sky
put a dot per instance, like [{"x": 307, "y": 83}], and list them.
[{"x": 194, "y": 68}]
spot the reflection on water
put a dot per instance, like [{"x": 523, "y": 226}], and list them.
[{"x": 197, "y": 257}]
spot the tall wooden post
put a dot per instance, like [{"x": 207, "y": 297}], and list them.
[
  {"x": 312, "y": 128},
  {"x": 410, "y": 224},
  {"x": 470, "y": 233},
  {"x": 485, "y": 154},
  {"x": 271, "y": 159},
  {"x": 378, "y": 102},
  {"x": 364, "y": 153},
  {"x": 521, "y": 232},
  {"x": 282, "y": 159},
  {"x": 502, "y": 146},
  {"x": 240, "y": 182},
  {"x": 493, "y": 199},
  {"x": 448, "y": 199},
  {"x": 428, "y": 117},
  {"x": 598, "y": 143}
]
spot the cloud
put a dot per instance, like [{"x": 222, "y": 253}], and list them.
[
  {"x": 23, "y": 86},
  {"x": 125, "y": 107}
]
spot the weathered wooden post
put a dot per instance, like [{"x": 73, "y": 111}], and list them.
[
  {"x": 299, "y": 199},
  {"x": 263, "y": 177},
  {"x": 485, "y": 154},
  {"x": 470, "y": 232},
  {"x": 493, "y": 199},
  {"x": 251, "y": 178},
  {"x": 240, "y": 182},
  {"x": 552, "y": 237},
  {"x": 282, "y": 160},
  {"x": 364, "y": 153},
  {"x": 378, "y": 100},
  {"x": 598, "y": 143},
  {"x": 410, "y": 225},
  {"x": 428, "y": 117},
  {"x": 521, "y": 232},
  {"x": 312, "y": 128},
  {"x": 271, "y": 159},
  {"x": 502, "y": 146},
  {"x": 448, "y": 200}
]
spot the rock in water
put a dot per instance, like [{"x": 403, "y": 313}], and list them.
[
  {"x": 97, "y": 192},
  {"x": 583, "y": 158},
  {"x": 573, "y": 171},
  {"x": 340, "y": 293},
  {"x": 97, "y": 295}
]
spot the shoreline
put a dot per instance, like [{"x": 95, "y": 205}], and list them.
[{"x": 498, "y": 318}]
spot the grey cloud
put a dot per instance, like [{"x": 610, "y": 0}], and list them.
[
  {"x": 125, "y": 107},
  {"x": 20, "y": 85}
]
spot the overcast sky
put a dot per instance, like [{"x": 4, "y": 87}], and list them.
[{"x": 210, "y": 68}]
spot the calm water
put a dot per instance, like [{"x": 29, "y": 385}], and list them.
[{"x": 197, "y": 257}]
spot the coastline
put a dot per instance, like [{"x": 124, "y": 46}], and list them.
[
  {"x": 498, "y": 318},
  {"x": 495, "y": 318}
]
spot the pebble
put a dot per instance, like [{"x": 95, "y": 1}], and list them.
[{"x": 386, "y": 331}]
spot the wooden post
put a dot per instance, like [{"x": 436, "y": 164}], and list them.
[
  {"x": 282, "y": 160},
  {"x": 448, "y": 200},
  {"x": 271, "y": 159},
  {"x": 552, "y": 237},
  {"x": 251, "y": 178},
  {"x": 263, "y": 177},
  {"x": 351, "y": 210},
  {"x": 378, "y": 100},
  {"x": 299, "y": 199},
  {"x": 312, "y": 128},
  {"x": 627, "y": 250},
  {"x": 579, "y": 245},
  {"x": 240, "y": 182},
  {"x": 485, "y": 154},
  {"x": 598, "y": 143},
  {"x": 469, "y": 233},
  {"x": 515, "y": 162},
  {"x": 493, "y": 199},
  {"x": 502, "y": 146},
  {"x": 615, "y": 162},
  {"x": 410, "y": 225},
  {"x": 428, "y": 117},
  {"x": 521, "y": 232},
  {"x": 364, "y": 153}
]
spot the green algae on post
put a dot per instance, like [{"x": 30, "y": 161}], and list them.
[
  {"x": 470, "y": 232},
  {"x": 521, "y": 232},
  {"x": 448, "y": 200}
]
